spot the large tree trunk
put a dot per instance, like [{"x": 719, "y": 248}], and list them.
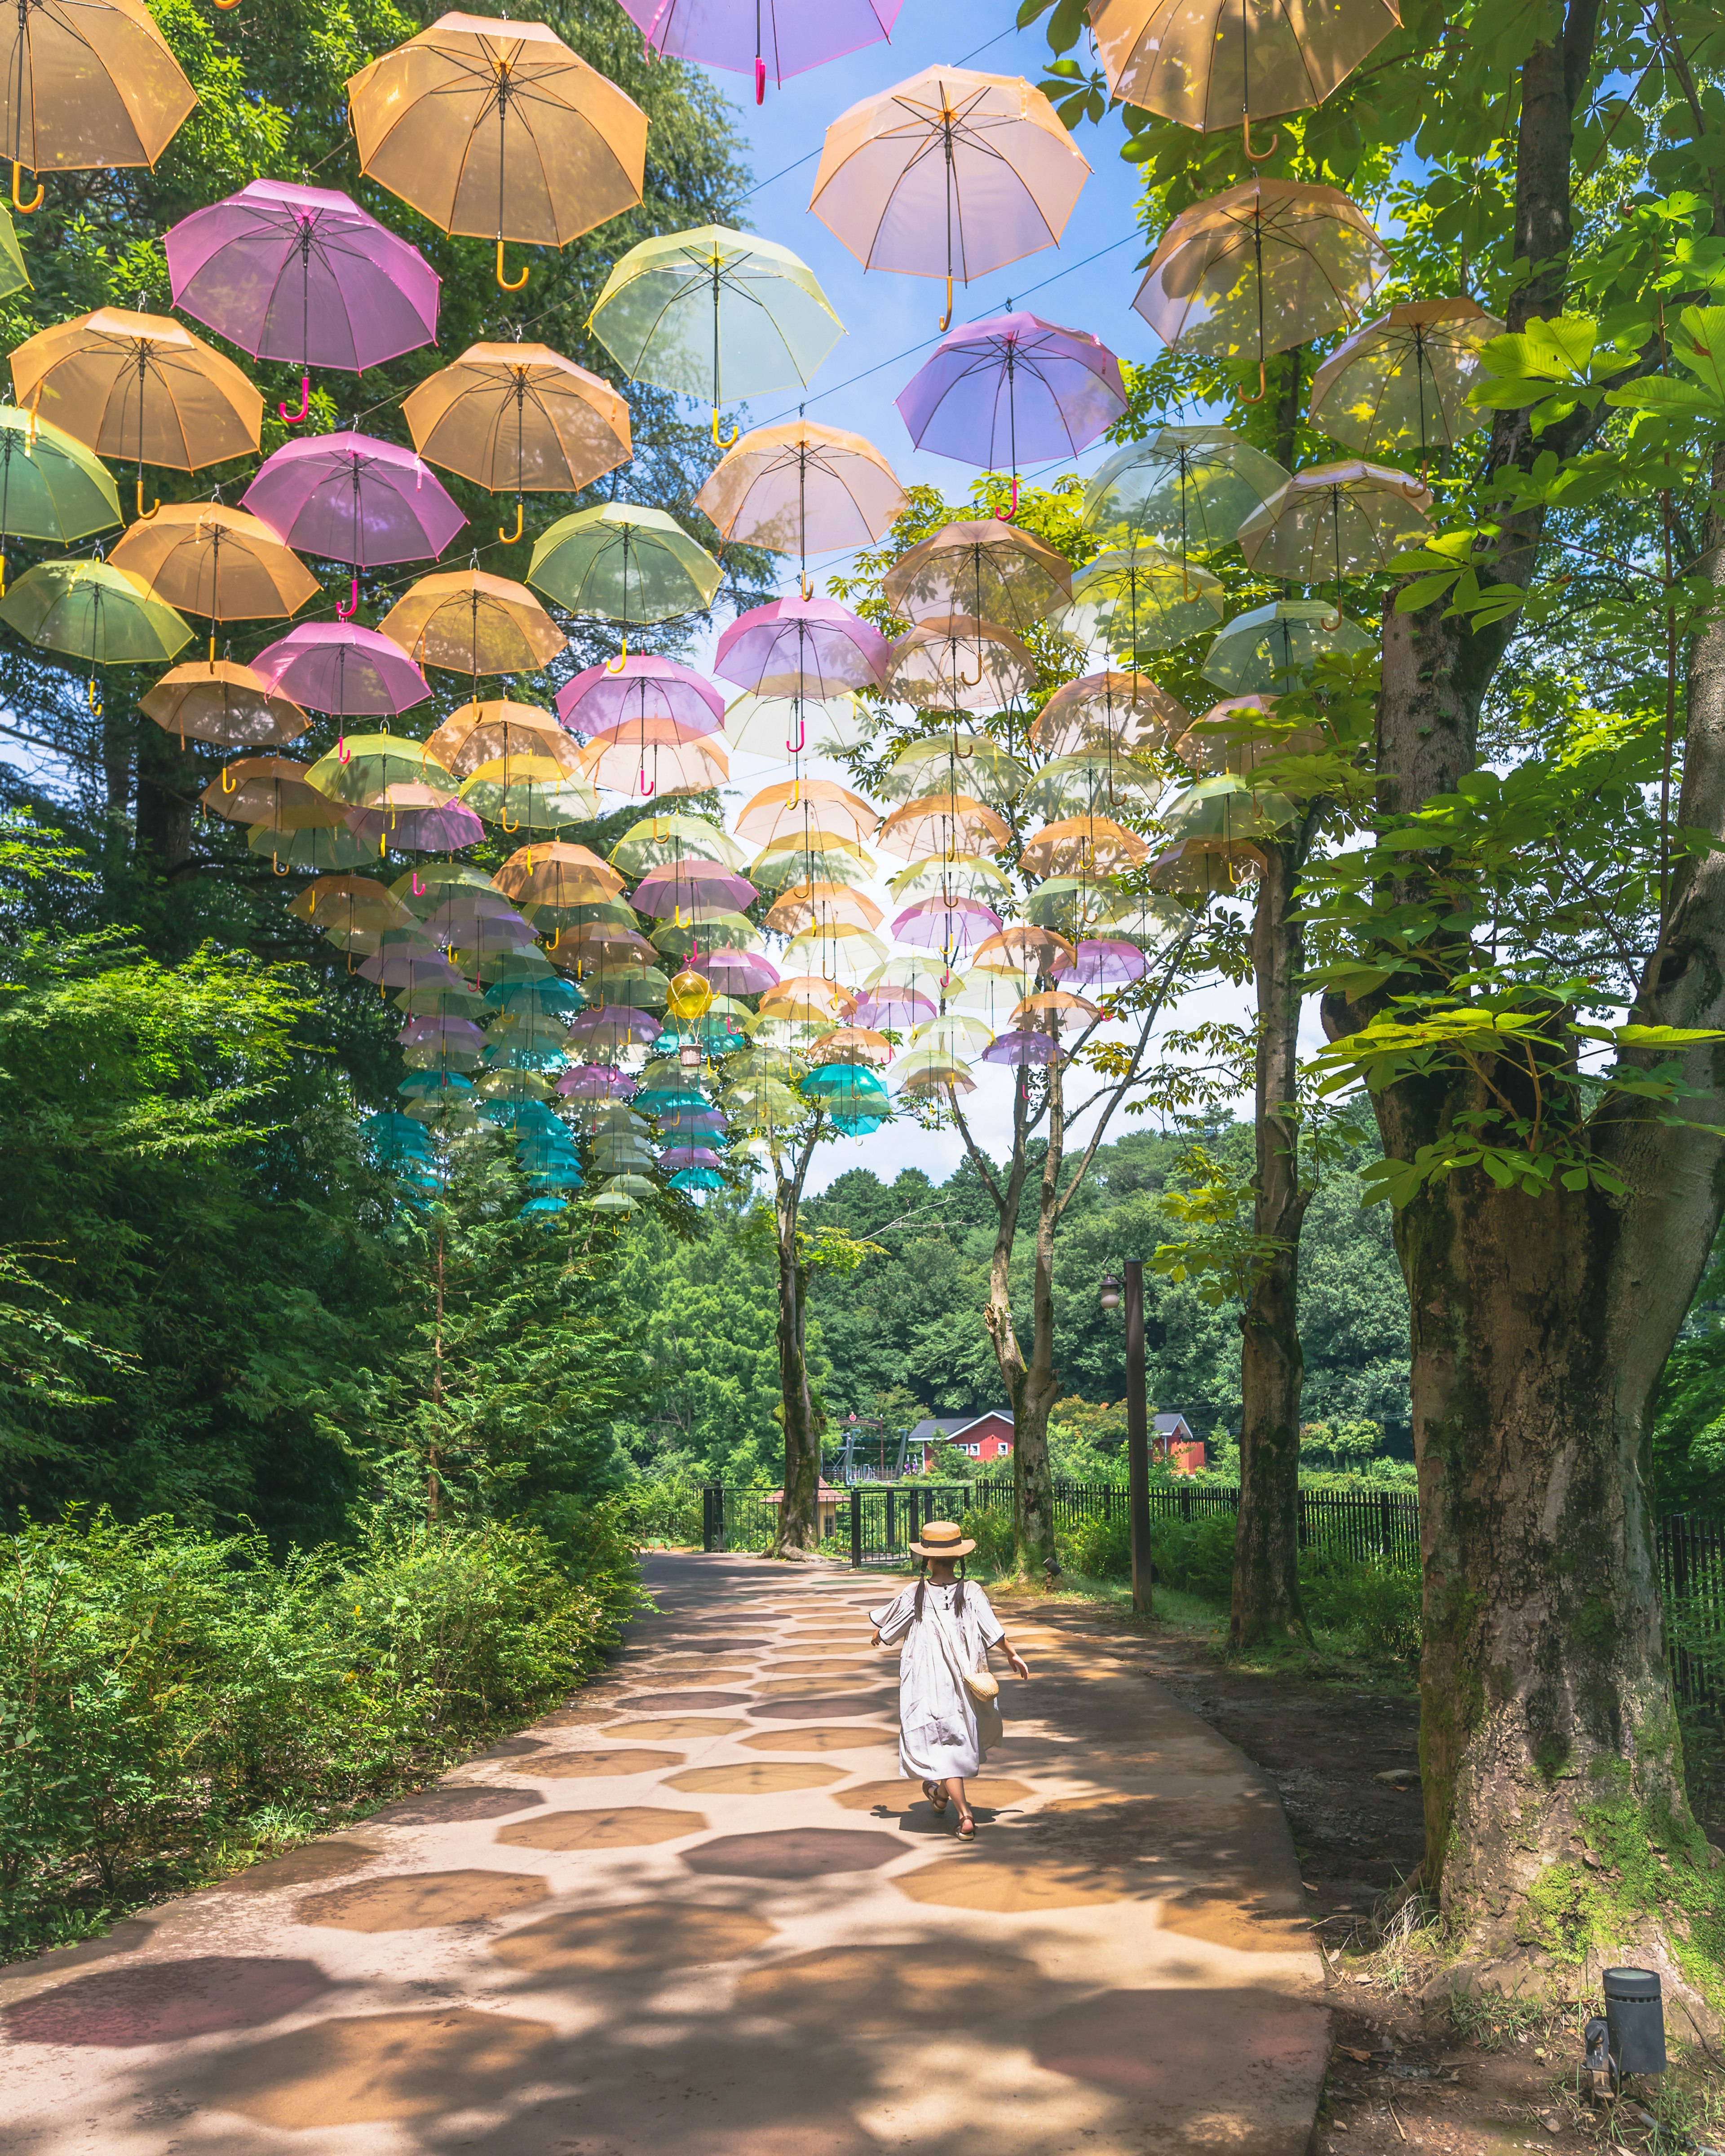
[
  {"x": 1267, "y": 1541},
  {"x": 798, "y": 1529}
]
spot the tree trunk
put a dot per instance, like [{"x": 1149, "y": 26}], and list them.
[
  {"x": 1266, "y": 1542},
  {"x": 798, "y": 1529}
]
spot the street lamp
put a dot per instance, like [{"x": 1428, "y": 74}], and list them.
[{"x": 1137, "y": 1425}]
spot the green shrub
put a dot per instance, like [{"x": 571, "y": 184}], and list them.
[
  {"x": 1098, "y": 1548},
  {"x": 1196, "y": 1555},
  {"x": 666, "y": 1510},
  {"x": 990, "y": 1527},
  {"x": 1375, "y": 1606}
]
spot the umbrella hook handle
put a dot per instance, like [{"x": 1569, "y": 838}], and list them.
[
  {"x": 512, "y": 538},
  {"x": 228, "y": 785},
  {"x": 1259, "y": 399},
  {"x": 154, "y": 505},
  {"x": 17, "y": 201},
  {"x": 274, "y": 863},
  {"x": 347, "y": 608},
  {"x": 418, "y": 888},
  {"x": 507, "y": 284},
  {"x": 343, "y": 753},
  {"x": 293, "y": 419},
  {"x": 617, "y": 664},
  {"x": 509, "y": 828},
  {"x": 647, "y": 786},
  {"x": 1253, "y": 157},
  {"x": 795, "y": 748},
  {"x": 946, "y": 318},
  {"x": 722, "y": 441}
]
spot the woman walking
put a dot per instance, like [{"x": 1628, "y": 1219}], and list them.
[{"x": 948, "y": 1717}]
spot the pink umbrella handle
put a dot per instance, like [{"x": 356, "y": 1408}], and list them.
[
  {"x": 420, "y": 889},
  {"x": 293, "y": 419},
  {"x": 647, "y": 786},
  {"x": 1013, "y": 510},
  {"x": 343, "y": 753},
  {"x": 795, "y": 748},
  {"x": 344, "y": 611},
  {"x": 760, "y": 79}
]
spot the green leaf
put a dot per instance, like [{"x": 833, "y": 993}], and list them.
[{"x": 1422, "y": 591}]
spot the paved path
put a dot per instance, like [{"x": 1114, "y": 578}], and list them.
[{"x": 697, "y": 1913}]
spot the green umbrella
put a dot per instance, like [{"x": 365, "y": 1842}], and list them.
[
  {"x": 716, "y": 315},
  {"x": 1136, "y": 599},
  {"x": 657, "y": 841},
  {"x": 626, "y": 563},
  {"x": 1187, "y": 488},
  {"x": 1274, "y": 647},
  {"x": 93, "y": 611},
  {"x": 51, "y": 486},
  {"x": 321, "y": 849},
  {"x": 362, "y": 771}
]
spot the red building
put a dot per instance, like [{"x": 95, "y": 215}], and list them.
[
  {"x": 1170, "y": 1440},
  {"x": 982, "y": 1438}
]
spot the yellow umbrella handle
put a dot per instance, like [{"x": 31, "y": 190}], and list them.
[
  {"x": 617, "y": 664},
  {"x": 510, "y": 538},
  {"x": 154, "y": 505},
  {"x": 946, "y": 318},
  {"x": 17, "y": 201},
  {"x": 722, "y": 441},
  {"x": 508, "y": 285}
]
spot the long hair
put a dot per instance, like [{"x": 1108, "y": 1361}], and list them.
[{"x": 923, "y": 1583}]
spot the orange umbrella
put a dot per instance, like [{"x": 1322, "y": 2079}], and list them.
[
  {"x": 482, "y": 733},
  {"x": 519, "y": 418},
  {"x": 89, "y": 84},
  {"x": 271, "y": 790},
  {"x": 951, "y": 174},
  {"x": 800, "y": 489},
  {"x": 1082, "y": 845},
  {"x": 983, "y": 569},
  {"x": 471, "y": 623},
  {"x": 1024, "y": 951},
  {"x": 140, "y": 388},
  {"x": 782, "y": 812},
  {"x": 807, "y": 996},
  {"x": 822, "y": 906},
  {"x": 954, "y": 663},
  {"x": 207, "y": 558},
  {"x": 216, "y": 700},
  {"x": 853, "y": 1043},
  {"x": 1120, "y": 714},
  {"x": 497, "y": 129},
  {"x": 555, "y": 874},
  {"x": 1051, "y": 1008},
  {"x": 945, "y": 823}
]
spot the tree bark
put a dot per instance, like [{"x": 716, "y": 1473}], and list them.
[
  {"x": 1267, "y": 1543},
  {"x": 799, "y": 1530}
]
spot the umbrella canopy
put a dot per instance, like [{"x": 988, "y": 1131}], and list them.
[
  {"x": 852, "y": 1044},
  {"x": 1216, "y": 63},
  {"x": 1399, "y": 386},
  {"x": 1024, "y": 952},
  {"x": 496, "y": 129},
  {"x": 1055, "y": 1008},
  {"x": 941, "y": 823},
  {"x": 800, "y": 489},
  {"x": 1092, "y": 845},
  {"x": 1136, "y": 599},
  {"x": 738, "y": 973},
  {"x": 628, "y": 759},
  {"x": 215, "y": 701},
  {"x": 51, "y": 486},
  {"x": 471, "y": 623},
  {"x": 1275, "y": 648},
  {"x": 950, "y": 174},
  {"x": 661, "y": 892},
  {"x": 216, "y": 561},
  {"x": 1123, "y": 713},
  {"x": 350, "y": 672},
  {"x": 1261, "y": 268},
  {"x": 366, "y": 768},
  {"x": 656, "y": 841},
  {"x": 801, "y": 647},
  {"x": 93, "y": 611},
  {"x": 90, "y": 83},
  {"x": 845, "y": 948},
  {"x": 1335, "y": 521},
  {"x": 1013, "y": 388},
  {"x": 1228, "y": 809},
  {"x": 271, "y": 791},
  {"x": 317, "y": 849},
  {"x": 350, "y": 904},
  {"x": 352, "y": 498},
  {"x": 481, "y": 734},
  {"x": 953, "y": 662},
  {"x": 822, "y": 906},
  {"x": 973, "y": 878},
  {"x": 1188, "y": 488},
  {"x": 781, "y": 727},
  {"x": 1107, "y": 963},
  {"x": 552, "y": 874},
  {"x": 1017, "y": 1049},
  {"x": 519, "y": 418},
  {"x": 984, "y": 767},
  {"x": 624, "y": 563},
  {"x": 782, "y": 811},
  {"x": 784, "y": 40},
  {"x": 952, "y": 925},
  {"x": 305, "y": 276},
  {"x": 984, "y": 568},
  {"x": 1096, "y": 780},
  {"x": 800, "y": 854},
  {"x": 716, "y": 315},
  {"x": 606, "y": 700},
  {"x": 415, "y": 820}
]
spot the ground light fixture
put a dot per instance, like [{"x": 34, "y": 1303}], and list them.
[{"x": 1629, "y": 2037}]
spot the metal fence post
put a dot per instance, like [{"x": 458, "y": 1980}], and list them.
[
  {"x": 856, "y": 1505},
  {"x": 891, "y": 1517}
]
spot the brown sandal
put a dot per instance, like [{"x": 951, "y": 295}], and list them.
[
  {"x": 936, "y": 1797},
  {"x": 967, "y": 1827}
]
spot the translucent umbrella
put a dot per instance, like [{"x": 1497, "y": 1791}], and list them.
[
  {"x": 628, "y": 759},
  {"x": 950, "y": 174},
  {"x": 927, "y": 1071},
  {"x": 519, "y": 418},
  {"x": 983, "y": 569},
  {"x": 1019, "y": 1050},
  {"x": 658, "y": 840},
  {"x": 780, "y": 811},
  {"x": 946, "y": 923},
  {"x": 852, "y": 1045},
  {"x": 845, "y": 948},
  {"x": 340, "y": 668},
  {"x": 1188, "y": 488},
  {"x": 739, "y": 972},
  {"x": 801, "y": 854},
  {"x": 972, "y": 877},
  {"x": 213, "y": 560},
  {"x": 1107, "y": 963},
  {"x": 781, "y": 727},
  {"x": 626, "y": 563},
  {"x": 800, "y": 489},
  {"x": 481, "y": 733},
  {"x": 1136, "y": 599},
  {"x": 716, "y": 315},
  {"x": 349, "y": 904},
  {"x": 271, "y": 791},
  {"x": 219, "y": 701},
  {"x": 822, "y": 906},
  {"x": 528, "y": 794},
  {"x": 1055, "y": 1008},
  {"x": 496, "y": 129},
  {"x": 1024, "y": 952},
  {"x": 563, "y": 876},
  {"x": 662, "y": 893},
  {"x": 352, "y": 498},
  {"x": 982, "y": 767},
  {"x": 1399, "y": 386},
  {"x": 89, "y": 84},
  {"x": 1260, "y": 268},
  {"x": 784, "y": 40},
  {"x": 953, "y": 662},
  {"x": 800, "y": 647},
  {"x": 1275, "y": 648},
  {"x": 1093, "y": 780},
  {"x": 1122, "y": 713},
  {"x": 941, "y": 823},
  {"x": 1332, "y": 522},
  {"x": 644, "y": 686},
  {"x": 1089, "y": 846},
  {"x": 93, "y": 611},
  {"x": 362, "y": 771},
  {"x": 473, "y": 624},
  {"x": 51, "y": 486}
]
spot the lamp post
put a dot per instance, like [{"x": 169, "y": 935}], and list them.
[{"x": 1137, "y": 1426}]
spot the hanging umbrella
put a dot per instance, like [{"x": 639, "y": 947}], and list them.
[
  {"x": 801, "y": 647},
  {"x": 1090, "y": 845},
  {"x": 622, "y": 763},
  {"x": 784, "y": 40},
  {"x": 663, "y": 892},
  {"x": 852, "y": 1044},
  {"x": 715, "y": 314},
  {"x": 1215, "y": 63},
  {"x": 1091, "y": 782},
  {"x": 941, "y": 823},
  {"x": 1106, "y": 962},
  {"x": 625, "y": 563},
  {"x": 1332, "y": 522},
  {"x": 846, "y": 948},
  {"x": 348, "y": 671},
  {"x": 414, "y": 819},
  {"x": 51, "y": 486},
  {"x": 471, "y": 623},
  {"x": 1229, "y": 810},
  {"x": 349, "y": 904},
  {"x": 1399, "y": 386},
  {"x": 1187, "y": 488},
  {"x": 496, "y": 129},
  {"x": 90, "y": 83},
  {"x": 1055, "y": 1007},
  {"x": 782, "y": 811},
  {"x": 362, "y": 772},
  {"x": 974, "y": 878},
  {"x": 802, "y": 852},
  {"x": 984, "y": 568},
  {"x": 1260, "y": 268},
  {"x": 1135, "y": 599},
  {"x": 215, "y": 701},
  {"x": 950, "y": 925},
  {"x": 1018, "y": 1050},
  {"x": 556, "y": 874},
  {"x": 950, "y": 174},
  {"x": 929, "y": 1071},
  {"x": 271, "y": 791},
  {"x": 953, "y": 662},
  {"x": 138, "y": 388},
  {"x": 602, "y": 700},
  {"x": 351, "y": 498},
  {"x": 782, "y": 728},
  {"x": 819, "y": 905},
  {"x": 1014, "y": 389},
  {"x": 519, "y": 418},
  {"x": 1275, "y": 648},
  {"x": 1125, "y": 713},
  {"x": 656, "y": 841},
  {"x": 93, "y": 611},
  {"x": 738, "y": 973},
  {"x": 483, "y": 733},
  {"x": 213, "y": 560},
  {"x": 1025, "y": 953},
  {"x": 987, "y": 770},
  {"x": 302, "y": 274},
  {"x": 800, "y": 489}
]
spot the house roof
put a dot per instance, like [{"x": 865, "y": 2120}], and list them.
[
  {"x": 934, "y": 1427},
  {"x": 1165, "y": 1425}
]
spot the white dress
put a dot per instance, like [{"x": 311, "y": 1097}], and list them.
[{"x": 943, "y": 1732}]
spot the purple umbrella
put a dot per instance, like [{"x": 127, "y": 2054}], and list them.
[
  {"x": 1014, "y": 386},
  {"x": 737, "y": 973},
  {"x": 302, "y": 274},
  {"x": 598, "y": 700},
  {"x": 352, "y": 498},
  {"x": 662, "y": 892},
  {"x": 687, "y": 1156},
  {"x": 352, "y": 673},
  {"x": 410, "y": 969},
  {"x": 955, "y": 926},
  {"x": 420, "y": 830},
  {"x": 800, "y": 647},
  {"x": 443, "y": 1031},
  {"x": 1103, "y": 963},
  {"x": 890, "y": 1004},
  {"x": 596, "y": 1081},
  {"x": 1020, "y": 1048},
  {"x": 725, "y": 33},
  {"x": 614, "y": 1026}
]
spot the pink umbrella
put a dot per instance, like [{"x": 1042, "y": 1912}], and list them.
[
  {"x": 1103, "y": 963},
  {"x": 724, "y": 33},
  {"x": 302, "y": 274},
  {"x": 410, "y": 969},
  {"x": 352, "y": 498},
  {"x": 1013, "y": 387},
  {"x": 427, "y": 828},
  {"x": 955, "y": 926},
  {"x": 798, "y": 647},
  {"x": 663, "y": 892},
  {"x": 737, "y": 973},
  {"x": 892, "y": 1004},
  {"x": 352, "y": 673},
  {"x": 599, "y": 701},
  {"x": 444, "y": 1031},
  {"x": 596, "y": 1081},
  {"x": 687, "y": 1156}
]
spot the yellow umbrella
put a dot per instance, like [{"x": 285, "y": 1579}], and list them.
[
  {"x": 954, "y": 663},
  {"x": 496, "y": 129},
  {"x": 519, "y": 418},
  {"x": 1336, "y": 520},
  {"x": 800, "y": 489},
  {"x": 215, "y": 701},
  {"x": 1399, "y": 386},
  {"x": 471, "y": 623},
  {"x": 89, "y": 84},
  {"x": 951, "y": 174},
  {"x": 140, "y": 388},
  {"x": 207, "y": 558},
  {"x": 1260, "y": 268},
  {"x": 556, "y": 875},
  {"x": 479, "y": 734},
  {"x": 534, "y": 792}
]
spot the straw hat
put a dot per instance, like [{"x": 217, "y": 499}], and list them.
[{"x": 942, "y": 1539}]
